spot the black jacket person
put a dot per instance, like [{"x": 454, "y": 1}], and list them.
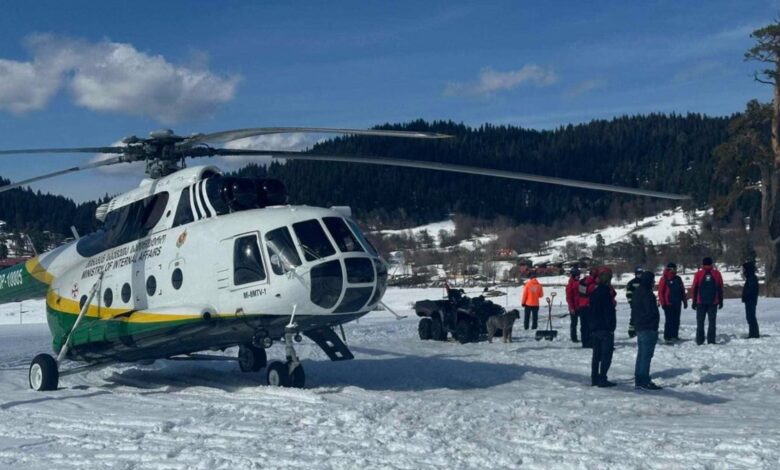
[
  {"x": 603, "y": 320},
  {"x": 644, "y": 312},
  {"x": 750, "y": 298}
]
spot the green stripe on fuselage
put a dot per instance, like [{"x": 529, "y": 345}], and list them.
[
  {"x": 17, "y": 284},
  {"x": 103, "y": 331}
]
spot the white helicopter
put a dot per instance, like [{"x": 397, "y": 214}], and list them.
[{"x": 193, "y": 260}]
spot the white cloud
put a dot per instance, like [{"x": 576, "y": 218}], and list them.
[
  {"x": 111, "y": 77},
  {"x": 585, "y": 87},
  {"x": 491, "y": 81},
  {"x": 25, "y": 87},
  {"x": 296, "y": 141}
]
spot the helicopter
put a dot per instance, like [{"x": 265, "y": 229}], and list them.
[{"x": 193, "y": 260}]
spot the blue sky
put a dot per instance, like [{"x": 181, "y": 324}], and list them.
[{"x": 90, "y": 73}]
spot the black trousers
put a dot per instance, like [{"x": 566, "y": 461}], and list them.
[
  {"x": 672, "y": 321},
  {"x": 573, "y": 327},
  {"x": 603, "y": 347},
  {"x": 584, "y": 313},
  {"x": 531, "y": 311},
  {"x": 750, "y": 315},
  {"x": 710, "y": 313}
]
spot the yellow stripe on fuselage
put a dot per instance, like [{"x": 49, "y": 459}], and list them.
[
  {"x": 71, "y": 307},
  {"x": 34, "y": 268}
]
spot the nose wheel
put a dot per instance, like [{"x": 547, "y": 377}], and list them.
[{"x": 289, "y": 373}]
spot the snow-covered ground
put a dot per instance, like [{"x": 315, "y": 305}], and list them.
[{"x": 406, "y": 403}]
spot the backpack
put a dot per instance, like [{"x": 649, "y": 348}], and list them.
[{"x": 708, "y": 289}]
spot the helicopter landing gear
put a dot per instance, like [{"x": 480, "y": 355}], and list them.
[
  {"x": 289, "y": 374},
  {"x": 251, "y": 358},
  {"x": 44, "y": 374},
  {"x": 44, "y": 371}
]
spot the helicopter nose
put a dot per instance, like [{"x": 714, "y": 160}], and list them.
[{"x": 362, "y": 279}]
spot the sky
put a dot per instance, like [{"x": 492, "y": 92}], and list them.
[{"x": 90, "y": 73}]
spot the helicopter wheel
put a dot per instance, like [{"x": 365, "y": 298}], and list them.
[
  {"x": 278, "y": 374},
  {"x": 251, "y": 358},
  {"x": 43, "y": 374}
]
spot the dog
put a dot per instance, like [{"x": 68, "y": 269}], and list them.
[{"x": 504, "y": 323}]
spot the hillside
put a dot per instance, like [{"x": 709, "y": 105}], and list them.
[{"x": 661, "y": 152}]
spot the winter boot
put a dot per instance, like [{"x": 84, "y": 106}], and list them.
[
  {"x": 604, "y": 383},
  {"x": 649, "y": 386}
]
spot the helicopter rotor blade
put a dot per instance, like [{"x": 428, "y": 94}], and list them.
[
  {"x": 427, "y": 165},
  {"x": 119, "y": 150},
  {"x": 235, "y": 134},
  {"x": 88, "y": 166}
]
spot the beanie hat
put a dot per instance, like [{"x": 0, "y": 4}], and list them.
[
  {"x": 575, "y": 271},
  {"x": 671, "y": 265},
  {"x": 638, "y": 270},
  {"x": 707, "y": 261}
]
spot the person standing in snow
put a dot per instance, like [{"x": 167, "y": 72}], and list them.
[
  {"x": 707, "y": 294},
  {"x": 571, "y": 301},
  {"x": 645, "y": 317},
  {"x": 603, "y": 320},
  {"x": 630, "y": 287},
  {"x": 750, "y": 298},
  {"x": 584, "y": 290},
  {"x": 672, "y": 297},
  {"x": 532, "y": 293}
]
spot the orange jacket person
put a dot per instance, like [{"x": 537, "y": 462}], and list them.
[{"x": 532, "y": 294}]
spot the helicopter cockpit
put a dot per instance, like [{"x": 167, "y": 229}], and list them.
[{"x": 365, "y": 276}]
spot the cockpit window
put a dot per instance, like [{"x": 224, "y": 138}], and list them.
[
  {"x": 281, "y": 249},
  {"x": 314, "y": 242},
  {"x": 247, "y": 261},
  {"x": 341, "y": 233},
  {"x": 367, "y": 244}
]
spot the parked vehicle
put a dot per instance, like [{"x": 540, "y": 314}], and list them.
[{"x": 462, "y": 317}]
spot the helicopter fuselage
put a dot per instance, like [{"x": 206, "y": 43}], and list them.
[{"x": 187, "y": 263}]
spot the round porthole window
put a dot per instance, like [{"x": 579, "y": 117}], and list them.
[
  {"x": 151, "y": 285},
  {"x": 108, "y": 297},
  {"x": 177, "y": 278},
  {"x": 126, "y": 293}
]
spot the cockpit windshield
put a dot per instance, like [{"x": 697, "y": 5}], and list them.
[
  {"x": 314, "y": 243},
  {"x": 341, "y": 233},
  {"x": 363, "y": 240},
  {"x": 281, "y": 249}
]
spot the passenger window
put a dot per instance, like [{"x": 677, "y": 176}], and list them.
[
  {"x": 125, "y": 224},
  {"x": 183, "y": 209},
  {"x": 247, "y": 261},
  {"x": 314, "y": 242},
  {"x": 281, "y": 249},
  {"x": 153, "y": 212},
  {"x": 341, "y": 233}
]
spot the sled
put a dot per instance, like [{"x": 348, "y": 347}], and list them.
[{"x": 549, "y": 334}]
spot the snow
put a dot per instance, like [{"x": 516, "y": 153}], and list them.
[
  {"x": 658, "y": 229},
  {"x": 433, "y": 230},
  {"x": 406, "y": 403}
]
